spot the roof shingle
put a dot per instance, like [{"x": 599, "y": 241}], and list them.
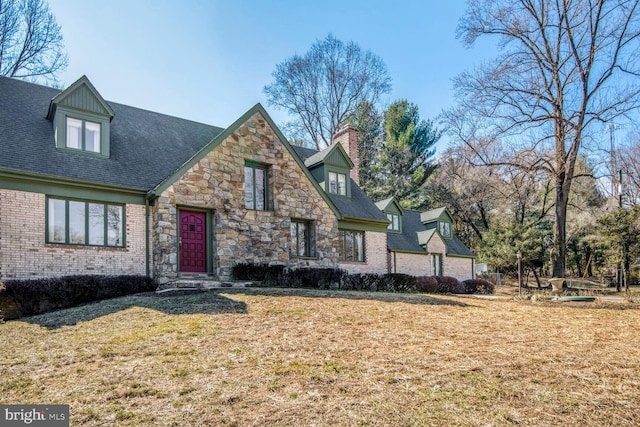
[
  {"x": 145, "y": 146},
  {"x": 359, "y": 205}
]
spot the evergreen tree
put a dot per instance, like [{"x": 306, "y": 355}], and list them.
[
  {"x": 621, "y": 232},
  {"x": 368, "y": 120},
  {"x": 404, "y": 161}
]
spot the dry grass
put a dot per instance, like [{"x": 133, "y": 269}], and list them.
[{"x": 293, "y": 357}]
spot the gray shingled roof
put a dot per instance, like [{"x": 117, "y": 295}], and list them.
[
  {"x": 359, "y": 205},
  {"x": 408, "y": 239},
  {"x": 145, "y": 146},
  {"x": 456, "y": 247}
]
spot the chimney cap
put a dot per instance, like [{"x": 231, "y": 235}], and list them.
[{"x": 344, "y": 128}]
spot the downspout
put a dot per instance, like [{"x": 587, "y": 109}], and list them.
[
  {"x": 146, "y": 236},
  {"x": 395, "y": 262}
]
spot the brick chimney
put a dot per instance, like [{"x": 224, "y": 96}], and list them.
[{"x": 347, "y": 136}]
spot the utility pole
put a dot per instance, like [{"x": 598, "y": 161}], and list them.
[
  {"x": 611, "y": 128},
  {"x": 616, "y": 190},
  {"x": 622, "y": 281}
]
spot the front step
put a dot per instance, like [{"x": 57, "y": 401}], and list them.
[{"x": 191, "y": 284}]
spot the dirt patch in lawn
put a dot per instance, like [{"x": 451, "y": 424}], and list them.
[{"x": 299, "y": 357}]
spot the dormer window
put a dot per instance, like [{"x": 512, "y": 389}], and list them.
[
  {"x": 338, "y": 183},
  {"x": 395, "y": 222},
  {"x": 83, "y": 135},
  {"x": 81, "y": 120},
  {"x": 394, "y": 213},
  {"x": 445, "y": 229}
]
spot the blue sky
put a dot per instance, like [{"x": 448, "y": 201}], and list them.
[{"x": 208, "y": 60}]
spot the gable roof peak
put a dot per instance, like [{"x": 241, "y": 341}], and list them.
[
  {"x": 323, "y": 155},
  {"x": 217, "y": 140},
  {"x": 82, "y": 82},
  {"x": 391, "y": 202},
  {"x": 438, "y": 214}
]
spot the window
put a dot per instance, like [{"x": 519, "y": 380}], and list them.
[
  {"x": 83, "y": 135},
  {"x": 338, "y": 183},
  {"x": 85, "y": 223},
  {"x": 352, "y": 246},
  {"x": 255, "y": 187},
  {"x": 301, "y": 238},
  {"x": 437, "y": 264},
  {"x": 445, "y": 229},
  {"x": 395, "y": 222}
]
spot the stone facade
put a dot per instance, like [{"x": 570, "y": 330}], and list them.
[
  {"x": 375, "y": 254},
  {"x": 25, "y": 255},
  {"x": 216, "y": 184}
]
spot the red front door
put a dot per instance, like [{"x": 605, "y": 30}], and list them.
[{"x": 193, "y": 241}]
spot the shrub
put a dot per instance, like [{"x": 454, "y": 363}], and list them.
[
  {"x": 478, "y": 286},
  {"x": 449, "y": 285},
  {"x": 396, "y": 282},
  {"x": 313, "y": 278},
  {"x": 426, "y": 284},
  {"x": 363, "y": 282},
  {"x": 257, "y": 272},
  {"x": 19, "y": 298},
  {"x": 391, "y": 282}
]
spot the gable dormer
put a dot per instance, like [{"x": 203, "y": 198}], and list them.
[
  {"x": 331, "y": 168},
  {"x": 439, "y": 219},
  {"x": 394, "y": 213},
  {"x": 81, "y": 119}
]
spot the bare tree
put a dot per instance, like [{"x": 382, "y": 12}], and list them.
[
  {"x": 564, "y": 66},
  {"x": 468, "y": 192},
  {"x": 324, "y": 87},
  {"x": 31, "y": 45},
  {"x": 478, "y": 195}
]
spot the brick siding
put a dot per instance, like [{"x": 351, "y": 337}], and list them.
[
  {"x": 460, "y": 268},
  {"x": 422, "y": 265},
  {"x": 24, "y": 253},
  {"x": 375, "y": 255},
  {"x": 414, "y": 264}
]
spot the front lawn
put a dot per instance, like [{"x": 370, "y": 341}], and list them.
[{"x": 302, "y": 357}]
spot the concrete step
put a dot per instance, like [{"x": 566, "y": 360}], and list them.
[{"x": 194, "y": 284}]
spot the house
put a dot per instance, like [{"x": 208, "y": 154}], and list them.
[
  {"x": 90, "y": 186},
  {"x": 424, "y": 244}
]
